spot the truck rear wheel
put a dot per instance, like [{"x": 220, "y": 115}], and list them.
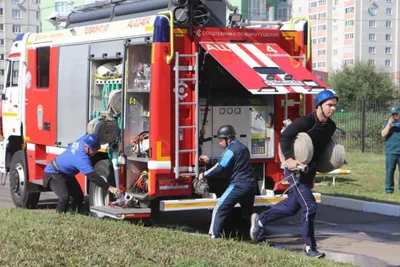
[
  {"x": 21, "y": 189},
  {"x": 99, "y": 196}
]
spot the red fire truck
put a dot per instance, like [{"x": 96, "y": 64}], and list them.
[{"x": 155, "y": 79}]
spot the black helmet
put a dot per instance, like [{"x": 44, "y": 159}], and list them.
[{"x": 226, "y": 131}]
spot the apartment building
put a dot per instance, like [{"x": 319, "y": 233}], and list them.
[
  {"x": 344, "y": 31},
  {"x": 16, "y": 16}
]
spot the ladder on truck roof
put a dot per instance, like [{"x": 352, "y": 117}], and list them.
[{"x": 179, "y": 82}]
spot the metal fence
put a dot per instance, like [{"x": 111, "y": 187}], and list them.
[{"x": 359, "y": 124}]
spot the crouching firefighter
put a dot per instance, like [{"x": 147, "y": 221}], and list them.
[
  {"x": 59, "y": 175},
  {"x": 235, "y": 163}
]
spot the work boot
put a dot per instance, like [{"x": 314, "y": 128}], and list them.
[
  {"x": 256, "y": 229},
  {"x": 314, "y": 253}
]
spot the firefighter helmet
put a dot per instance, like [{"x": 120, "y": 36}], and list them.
[
  {"x": 226, "y": 131},
  {"x": 92, "y": 142},
  {"x": 323, "y": 96}
]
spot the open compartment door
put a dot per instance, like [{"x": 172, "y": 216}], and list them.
[{"x": 264, "y": 68}]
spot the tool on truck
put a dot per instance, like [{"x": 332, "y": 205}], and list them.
[{"x": 154, "y": 80}]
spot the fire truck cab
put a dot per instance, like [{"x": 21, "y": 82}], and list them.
[{"x": 154, "y": 80}]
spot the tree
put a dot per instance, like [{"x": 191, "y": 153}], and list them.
[{"x": 361, "y": 82}]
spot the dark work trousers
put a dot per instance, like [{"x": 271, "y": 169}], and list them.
[
  {"x": 65, "y": 187},
  {"x": 242, "y": 193},
  {"x": 391, "y": 161},
  {"x": 299, "y": 197}
]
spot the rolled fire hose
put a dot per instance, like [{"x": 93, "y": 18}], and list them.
[
  {"x": 302, "y": 147},
  {"x": 333, "y": 157},
  {"x": 106, "y": 130},
  {"x": 114, "y": 103}
]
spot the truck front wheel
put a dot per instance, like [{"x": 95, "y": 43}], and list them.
[
  {"x": 21, "y": 189},
  {"x": 99, "y": 196}
]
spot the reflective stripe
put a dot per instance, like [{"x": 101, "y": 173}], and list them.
[{"x": 30, "y": 147}]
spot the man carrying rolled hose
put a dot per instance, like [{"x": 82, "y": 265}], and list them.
[
  {"x": 391, "y": 133},
  {"x": 319, "y": 126}
]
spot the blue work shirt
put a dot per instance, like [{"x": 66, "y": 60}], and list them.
[
  {"x": 73, "y": 160},
  {"x": 235, "y": 162},
  {"x": 392, "y": 140}
]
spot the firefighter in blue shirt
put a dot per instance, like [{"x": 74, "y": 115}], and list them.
[
  {"x": 59, "y": 175},
  {"x": 391, "y": 133},
  {"x": 235, "y": 162}
]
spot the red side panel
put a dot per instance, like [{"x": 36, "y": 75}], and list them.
[{"x": 41, "y": 102}]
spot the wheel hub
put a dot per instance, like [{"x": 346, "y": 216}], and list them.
[
  {"x": 17, "y": 179},
  {"x": 14, "y": 181}
]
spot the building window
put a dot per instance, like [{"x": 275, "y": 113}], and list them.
[
  {"x": 348, "y": 49},
  {"x": 372, "y": 37},
  {"x": 349, "y": 61},
  {"x": 38, "y": 15},
  {"x": 37, "y": 28},
  {"x": 349, "y": 36},
  {"x": 389, "y": 24},
  {"x": 372, "y": 24},
  {"x": 371, "y": 62},
  {"x": 335, "y": 53},
  {"x": 321, "y": 65},
  {"x": 388, "y": 37},
  {"x": 372, "y": 50},
  {"x": 1, "y": 41},
  {"x": 321, "y": 52},
  {"x": 16, "y": 28},
  {"x": 16, "y": 1},
  {"x": 37, "y": 2},
  {"x": 389, "y": 1},
  {"x": 349, "y": 23},
  {"x": 16, "y": 13},
  {"x": 1, "y": 56},
  {"x": 372, "y": 11},
  {"x": 389, "y": 11},
  {"x": 1, "y": 12},
  {"x": 349, "y": 10},
  {"x": 43, "y": 67},
  {"x": 1, "y": 27},
  {"x": 388, "y": 50},
  {"x": 388, "y": 63},
  {"x": 1, "y": 72},
  {"x": 322, "y": 27},
  {"x": 312, "y": 4},
  {"x": 321, "y": 40}
]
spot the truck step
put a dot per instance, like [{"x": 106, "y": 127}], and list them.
[
  {"x": 210, "y": 202},
  {"x": 121, "y": 213}
]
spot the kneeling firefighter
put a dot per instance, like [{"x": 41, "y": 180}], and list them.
[
  {"x": 235, "y": 162},
  {"x": 59, "y": 175}
]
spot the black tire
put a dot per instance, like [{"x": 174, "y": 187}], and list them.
[
  {"x": 22, "y": 192},
  {"x": 99, "y": 196}
]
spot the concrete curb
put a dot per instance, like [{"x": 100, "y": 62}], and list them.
[{"x": 361, "y": 205}]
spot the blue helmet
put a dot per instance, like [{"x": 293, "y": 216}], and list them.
[
  {"x": 394, "y": 110},
  {"x": 92, "y": 142},
  {"x": 323, "y": 96}
]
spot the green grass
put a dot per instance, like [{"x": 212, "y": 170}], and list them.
[
  {"x": 41, "y": 238},
  {"x": 366, "y": 181}
]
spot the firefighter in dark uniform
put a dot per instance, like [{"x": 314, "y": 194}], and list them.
[
  {"x": 319, "y": 126},
  {"x": 59, "y": 175},
  {"x": 391, "y": 133},
  {"x": 235, "y": 162}
]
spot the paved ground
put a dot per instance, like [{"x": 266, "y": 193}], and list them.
[{"x": 364, "y": 239}]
